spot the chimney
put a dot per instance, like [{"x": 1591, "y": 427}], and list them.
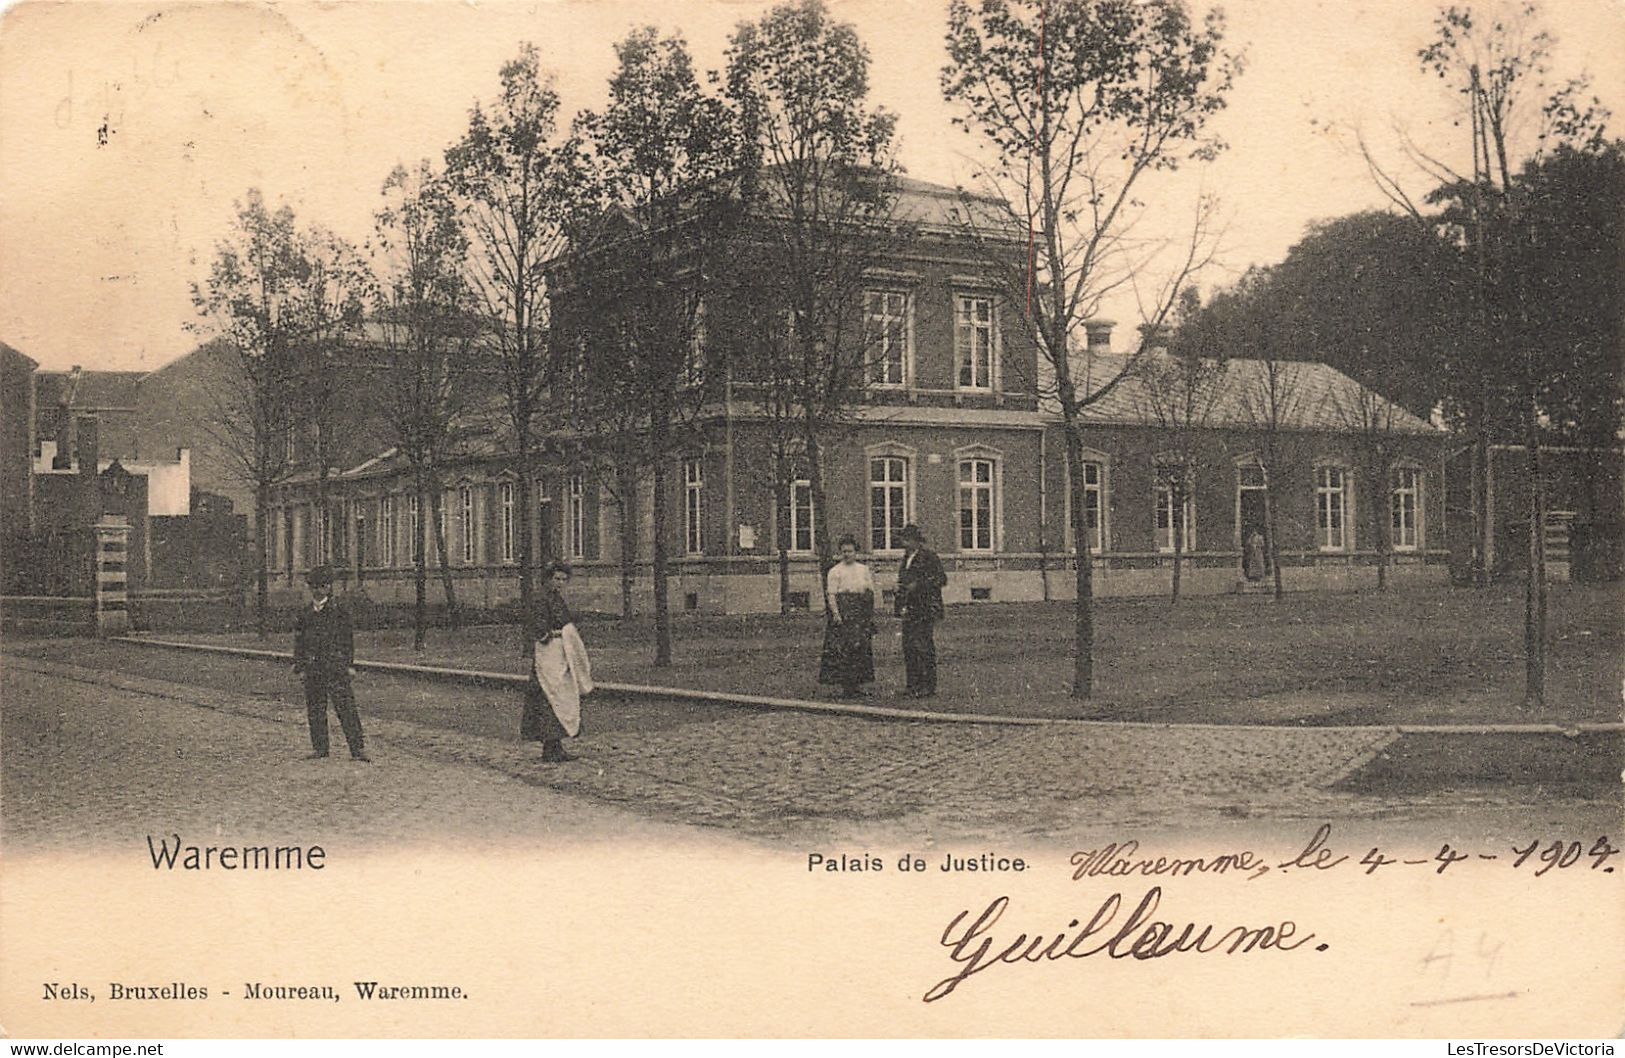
[
  {"x": 1154, "y": 337},
  {"x": 1099, "y": 334}
]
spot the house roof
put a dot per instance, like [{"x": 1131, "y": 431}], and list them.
[
  {"x": 1318, "y": 397},
  {"x": 89, "y": 390},
  {"x": 12, "y": 351}
]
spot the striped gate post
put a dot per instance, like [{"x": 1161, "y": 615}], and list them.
[{"x": 112, "y": 577}]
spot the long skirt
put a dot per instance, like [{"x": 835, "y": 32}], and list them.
[{"x": 849, "y": 658}]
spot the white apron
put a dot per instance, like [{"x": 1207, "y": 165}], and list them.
[{"x": 564, "y": 674}]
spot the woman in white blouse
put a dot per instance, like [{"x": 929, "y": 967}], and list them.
[{"x": 849, "y": 591}]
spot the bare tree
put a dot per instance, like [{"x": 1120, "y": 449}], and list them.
[
  {"x": 425, "y": 315},
  {"x": 823, "y": 200},
  {"x": 1179, "y": 393},
  {"x": 1371, "y": 419},
  {"x": 665, "y": 157},
  {"x": 1079, "y": 103},
  {"x": 257, "y": 299},
  {"x": 514, "y": 185},
  {"x": 1270, "y": 398}
]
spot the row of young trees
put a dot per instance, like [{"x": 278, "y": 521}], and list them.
[{"x": 566, "y": 268}]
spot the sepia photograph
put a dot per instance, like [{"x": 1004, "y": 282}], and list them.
[{"x": 812, "y": 518}]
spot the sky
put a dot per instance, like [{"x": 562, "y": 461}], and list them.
[{"x": 128, "y": 130}]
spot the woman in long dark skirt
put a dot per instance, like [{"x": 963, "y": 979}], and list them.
[{"x": 849, "y": 657}]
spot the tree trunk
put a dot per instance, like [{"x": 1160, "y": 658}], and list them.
[
  {"x": 1380, "y": 499},
  {"x": 1083, "y": 634},
  {"x": 781, "y": 525},
  {"x": 659, "y": 430},
  {"x": 1272, "y": 545},
  {"x": 820, "y": 512},
  {"x": 420, "y": 564},
  {"x": 1534, "y": 634},
  {"x": 626, "y": 487},
  {"x": 528, "y": 517},
  {"x": 262, "y": 573},
  {"x": 1484, "y": 506},
  {"x": 439, "y": 501},
  {"x": 1176, "y": 499}
]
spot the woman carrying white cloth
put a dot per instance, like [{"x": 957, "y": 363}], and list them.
[{"x": 560, "y": 671}]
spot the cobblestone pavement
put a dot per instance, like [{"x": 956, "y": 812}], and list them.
[{"x": 93, "y": 752}]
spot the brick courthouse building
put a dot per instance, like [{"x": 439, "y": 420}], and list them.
[{"x": 951, "y": 434}]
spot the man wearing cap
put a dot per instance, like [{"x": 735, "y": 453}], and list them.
[
  {"x": 324, "y": 652},
  {"x": 919, "y": 604}
]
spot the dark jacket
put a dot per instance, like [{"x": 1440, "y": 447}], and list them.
[
  {"x": 323, "y": 642},
  {"x": 919, "y": 587},
  {"x": 551, "y": 614}
]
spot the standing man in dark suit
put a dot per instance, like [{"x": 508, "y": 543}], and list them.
[
  {"x": 324, "y": 652},
  {"x": 919, "y": 604}
]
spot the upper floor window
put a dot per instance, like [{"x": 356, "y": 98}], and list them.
[
  {"x": 888, "y": 502},
  {"x": 1331, "y": 509},
  {"x": 973, "y": 341},
  {"x": 1407, "y": 488},
  {"x": 976, "y": 506},
  {"x": 800, "y": 517},
  {"x": 886, "y": 336},
  {"x": 693, "y": 507}
]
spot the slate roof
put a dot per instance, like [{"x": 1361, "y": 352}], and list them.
[
  {"x": 1323, "y": 397},
  {"x": 91, "y": 390}
]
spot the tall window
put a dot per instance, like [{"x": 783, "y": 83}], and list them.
[
  {"x": 386, "y": 530},
  {"x": 976, "y": 505},
  {"x": 886, "y": 334},
  {"x": 576, "y": 519},
  {"x": 414, "y": 518},
  {"x": 1331, "y": 508},
  {"x": 1165, "y": 518},
  {"x": 465, "y": 522},
  {"x": 1407, "y": 487},
  {"x": 505, "y": 499},
  {"x": 801, "y": 516},
  {"x": 693, "y": 486},
  {"x": 1093, "y": 502},
  {"x": 439, "y": 521},
  {"x": 888, "y": 502},
  {"x": 973, "y": 341}
]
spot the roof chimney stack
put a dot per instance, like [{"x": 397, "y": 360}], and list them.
[{"x": 1099, "y": 334}]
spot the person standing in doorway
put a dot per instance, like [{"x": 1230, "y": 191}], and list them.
[
  {"x": 919, "y": 604},
  {"x": 324, "y": 653}
]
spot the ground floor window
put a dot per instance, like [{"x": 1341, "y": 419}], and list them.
[
  {"x": 465, "y": 522},
  {"x": 976, "y": 505},
  {"x": 505, "y": 500},
  {"x": 1331, "y": 508},
  {"x": 801, "y": 517},
  {"x": 1407, "y": 486},
  {"x": 888, "y": 502},
  {"x": 1166, "y": 489}
]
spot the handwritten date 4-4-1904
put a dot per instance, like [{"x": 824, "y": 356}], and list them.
[{"x": 1320, "y": 853}]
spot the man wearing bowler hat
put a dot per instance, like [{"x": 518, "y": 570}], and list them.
[
  {"x": 919, "y": 604},
  {"x": 324, "y": 652}
]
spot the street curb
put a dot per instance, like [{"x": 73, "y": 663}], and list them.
[{"x": 634, "y": 690}]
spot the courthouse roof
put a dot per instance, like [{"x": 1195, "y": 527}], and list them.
[{"x": 1315, "y": 396}]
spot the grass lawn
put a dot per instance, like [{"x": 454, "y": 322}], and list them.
[{"x": 1421, "y": 655}]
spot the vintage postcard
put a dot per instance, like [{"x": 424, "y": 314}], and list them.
[{"x": 925, "y": 518}]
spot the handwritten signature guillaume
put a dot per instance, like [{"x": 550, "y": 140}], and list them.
[{"x": 1140, "y": 936}]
